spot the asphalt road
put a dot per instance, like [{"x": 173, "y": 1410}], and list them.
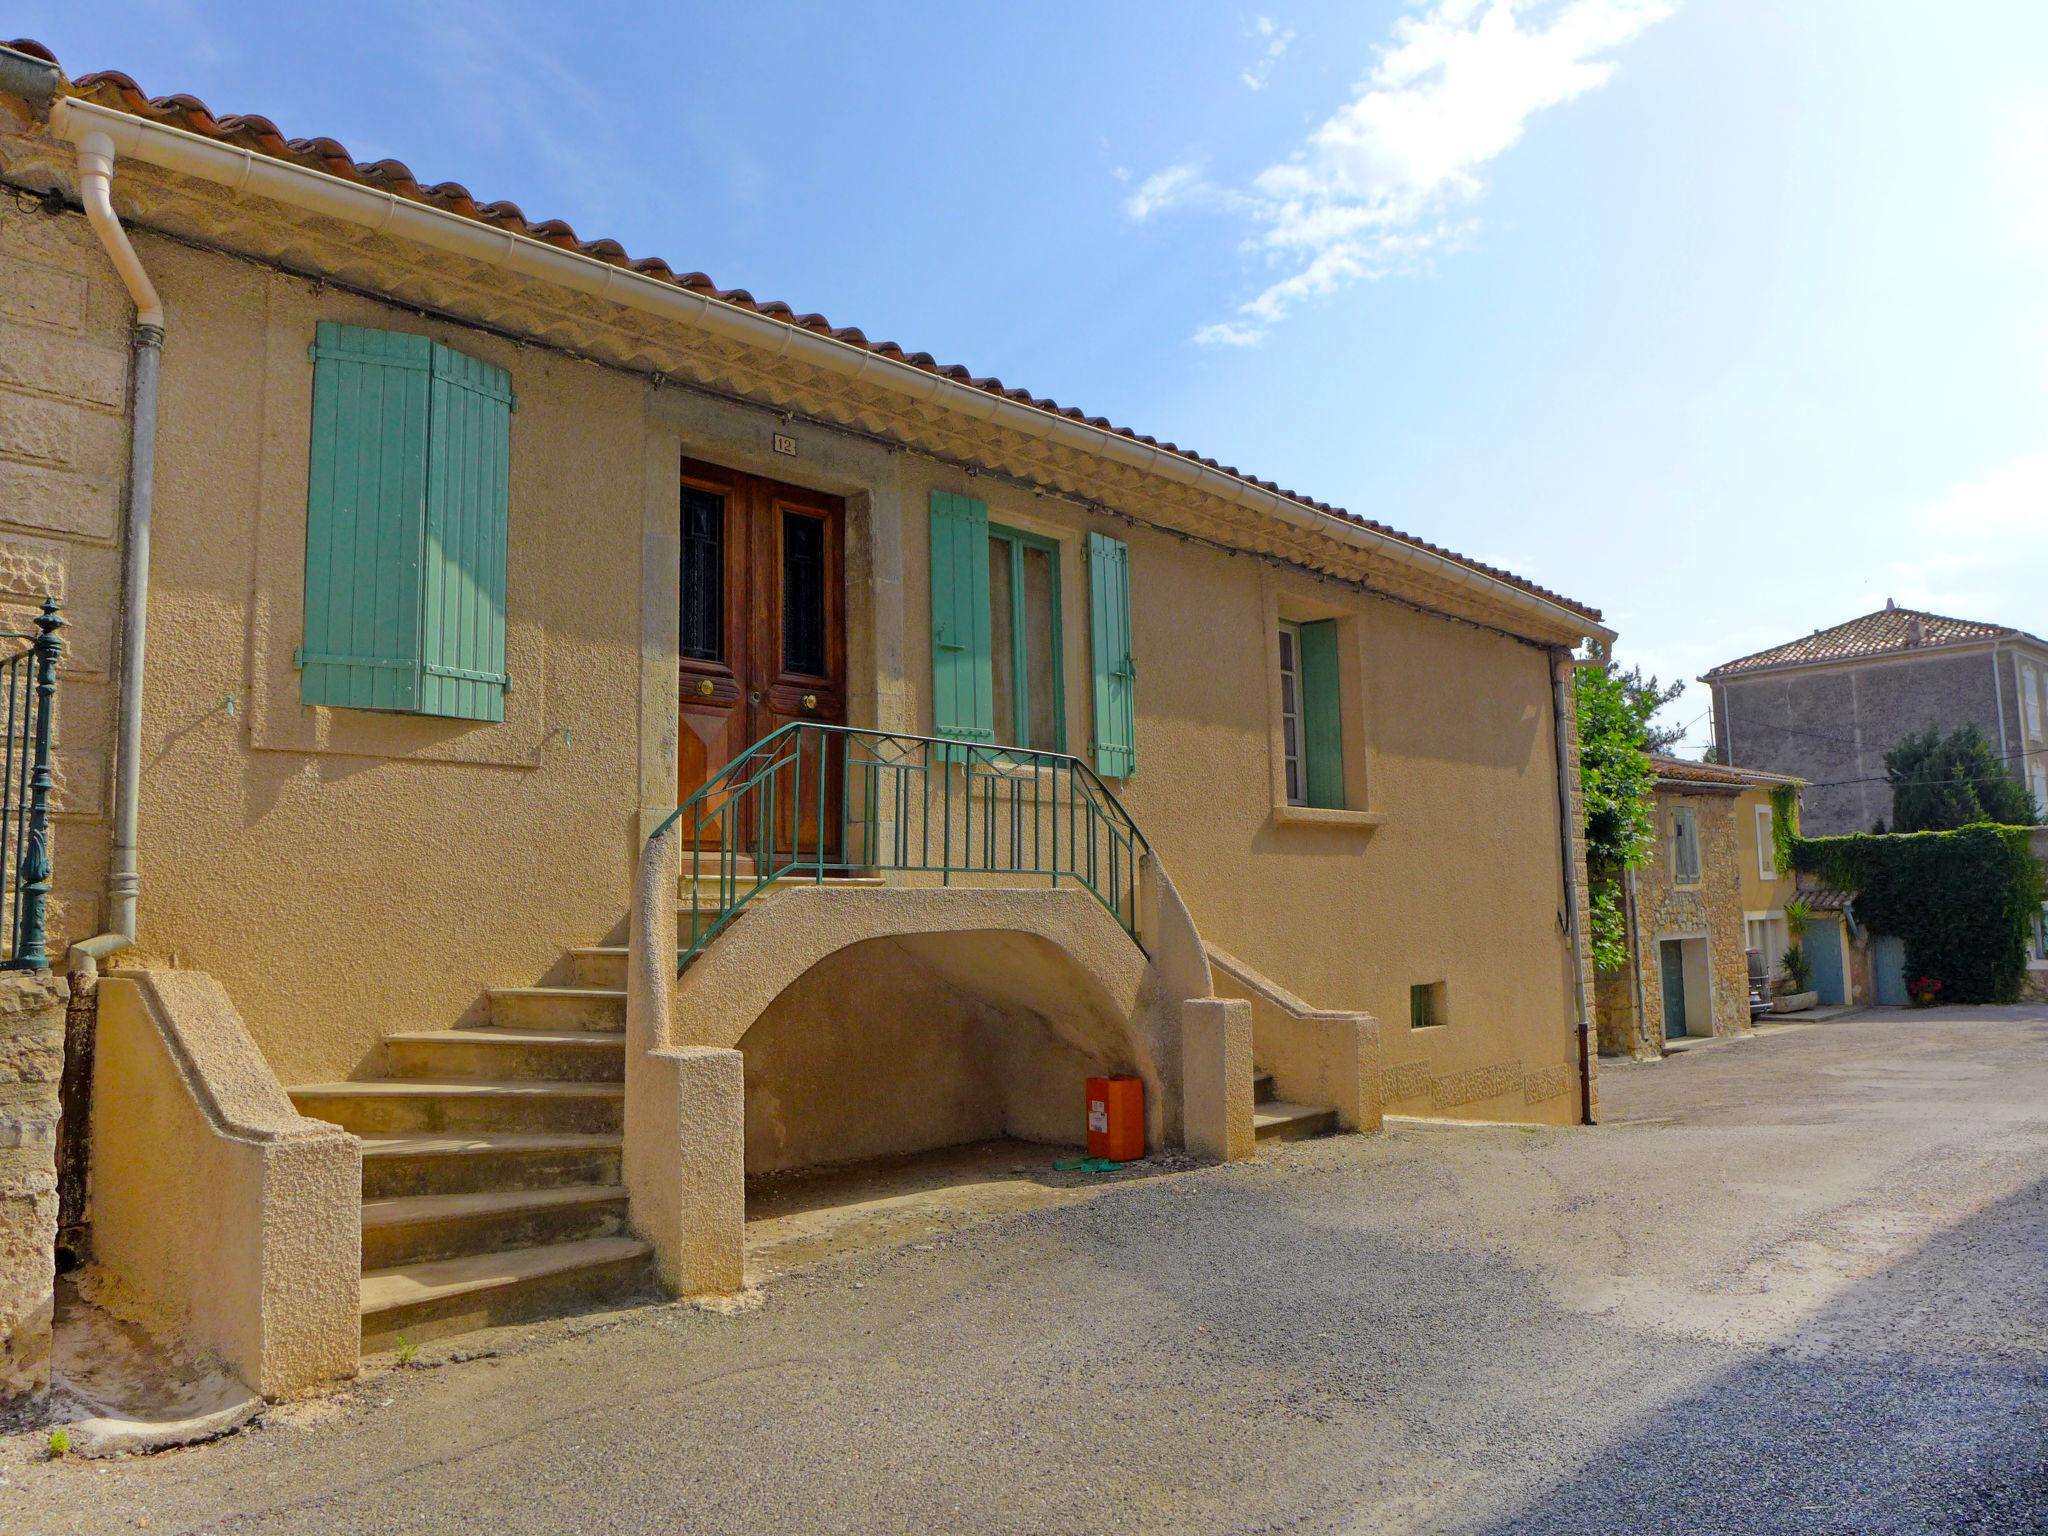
[{"x": 1796, "y": 1283}]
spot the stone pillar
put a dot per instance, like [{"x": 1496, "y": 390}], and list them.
[
  {"x": 1216, "y": 1077},
  {"x": 31, "y": 1068}
]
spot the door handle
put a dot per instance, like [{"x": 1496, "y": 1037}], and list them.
[
  {"x": 705, "y": 687},
  {"x": 810, "y": 701}
]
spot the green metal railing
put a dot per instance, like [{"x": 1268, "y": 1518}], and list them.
[
  {"x": 28, "y": 698},
  {"x": 824, "y": 801}
]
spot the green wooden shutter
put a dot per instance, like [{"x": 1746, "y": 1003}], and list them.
[
  {"x": 1116, "y": 672},
  {"x": 462, "y": 628},
  {"x": 963, "y": 680},
  {"x": 365, "y": 500},
  {"x": 1322, "y": 709}
]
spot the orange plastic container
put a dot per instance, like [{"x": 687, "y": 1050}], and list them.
[{"x": 1116, "y": 1118}]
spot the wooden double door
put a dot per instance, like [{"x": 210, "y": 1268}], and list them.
[{"x": 762, "y": 644}]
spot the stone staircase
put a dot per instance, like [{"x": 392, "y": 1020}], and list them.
[
  {"x": 492, "y": 1183},
  {"x": 492, "y": 1190},
  {"x": 1277, "y": 1120}
]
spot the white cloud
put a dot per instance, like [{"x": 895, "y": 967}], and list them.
[
  {"x": 1229, "y": 333},
  {"x": 1274, "y": 41},
  {"x": 1379, "y": 186},
  {"x": 1163, "y": 189}
]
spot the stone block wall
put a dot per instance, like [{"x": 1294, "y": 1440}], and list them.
[
  {"x": 31, "y": 1066},
  {"x": 1712, "y": 909},
  {"x": 64, "y": 371}
]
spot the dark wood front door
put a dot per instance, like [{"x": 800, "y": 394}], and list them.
[{"x": 763, "y": 643}]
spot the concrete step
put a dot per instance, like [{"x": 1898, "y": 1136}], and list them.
[
  {"x": 417, "y": 1229},
  {"x": 395, "y": 1167},
  {"x": 1278, "y": 1120},
  {"x": 1262, "y": 1087},
  {"x": 447, "y": 1296},
  {"x": 415, "y": 1106},
  {"x": 575, "y": 1055},
  {"x": 598, "y": 965},
  {"x": 558, "y": 1008}
]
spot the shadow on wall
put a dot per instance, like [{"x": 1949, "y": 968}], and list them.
[
  {"x": 1862, "y": 1432},
  {"x": 909, "y": 1043}
]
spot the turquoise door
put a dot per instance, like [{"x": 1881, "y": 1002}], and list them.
[
  {"x": 1823, "y": 945},
  {"x": 1888, "y": 961},
  {"x": 1671, "y": 955}
]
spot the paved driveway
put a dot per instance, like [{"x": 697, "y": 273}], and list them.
[{"x": 1796, "y": 1283}]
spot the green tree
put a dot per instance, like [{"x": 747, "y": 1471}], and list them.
[
  {"x": 1942, "y": 782},
  {"x": 1615, "y": 779},
  {"x": 1647, "y": 695}
]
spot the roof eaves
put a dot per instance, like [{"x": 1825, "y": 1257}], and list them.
[{"x": 261, "y": 136}]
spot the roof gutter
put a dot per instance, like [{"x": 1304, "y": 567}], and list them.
[
  {"x": 34, "y": 80},
  {"x": 244, "y": 171}
]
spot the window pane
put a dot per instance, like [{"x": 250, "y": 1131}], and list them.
[
  {"x": 1001, "y": 638},
  {"x": 803, "y": 594},
  {"x": 1039, "y": 641},
  {"x": 1290, "y": 716},
  {"x": 703, "y": 575}
]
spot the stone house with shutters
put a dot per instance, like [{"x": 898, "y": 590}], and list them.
[
  {"x": 1692, "y": 911},
  {"x": 601, "y": 737}
]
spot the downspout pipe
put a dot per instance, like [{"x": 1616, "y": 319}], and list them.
[
  {"x": 95, "y": 191},
  {"x": 1564, "y": 675}
]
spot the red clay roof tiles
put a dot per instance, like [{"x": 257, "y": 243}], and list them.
[
  {"x": 260, "y": 135},
  {"x": 1881, "y": 633}
]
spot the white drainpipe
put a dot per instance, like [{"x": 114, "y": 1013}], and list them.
[{"x": 95, "y": 183}]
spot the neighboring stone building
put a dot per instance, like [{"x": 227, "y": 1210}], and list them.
[
  {"x": 1689, "y": 911},
  {"x": 1828, "y": 706}
]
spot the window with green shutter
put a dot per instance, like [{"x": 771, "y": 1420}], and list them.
[
  {"x": 406, "y": 516},
  {"x": 963, "y": 688},
  {"x": 1116, "y": 672},
  {"x": 1312, "y": 714}
]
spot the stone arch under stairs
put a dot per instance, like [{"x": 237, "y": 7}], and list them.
[{"x": 1054, "y": 957}]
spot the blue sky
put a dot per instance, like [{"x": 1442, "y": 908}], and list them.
[{"x": 1728, "y": 316}]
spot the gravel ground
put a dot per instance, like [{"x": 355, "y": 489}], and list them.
[{"x": 1795, "y": 1283}]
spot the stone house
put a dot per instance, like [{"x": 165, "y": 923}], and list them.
[
  {"x": 1828, "y": 706},
  {"x": 601, "y": 736},
  {"x": 1709, "y": 893}
]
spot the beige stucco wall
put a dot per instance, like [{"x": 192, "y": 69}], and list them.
[
  {"x": 1456, "y": 876},
  {"x": 875, "y": 1051},
  {"x": 1758, "y": 894},
  {"x": 346, "y": 875},
  {"x": 221, "y": 1217}
]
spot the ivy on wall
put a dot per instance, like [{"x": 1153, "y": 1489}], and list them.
[{"x": 1960, "y": 900}]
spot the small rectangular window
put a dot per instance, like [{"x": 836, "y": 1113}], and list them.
[
  {"x": 703, "y": 577},
  {"x": 1766, "y": 845},
  {"x": 803, "y": 594},
  {"x": 1426, "y": 1005},
  {"x": 1290, "y": 714},
  {"x": 1685, "y": 845}
]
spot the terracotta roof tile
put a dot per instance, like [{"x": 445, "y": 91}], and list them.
[
  {"x": 1888, "y": 630},
  {"x": 1683, "y": 770},
  {"x": 112, "y": 89}
]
